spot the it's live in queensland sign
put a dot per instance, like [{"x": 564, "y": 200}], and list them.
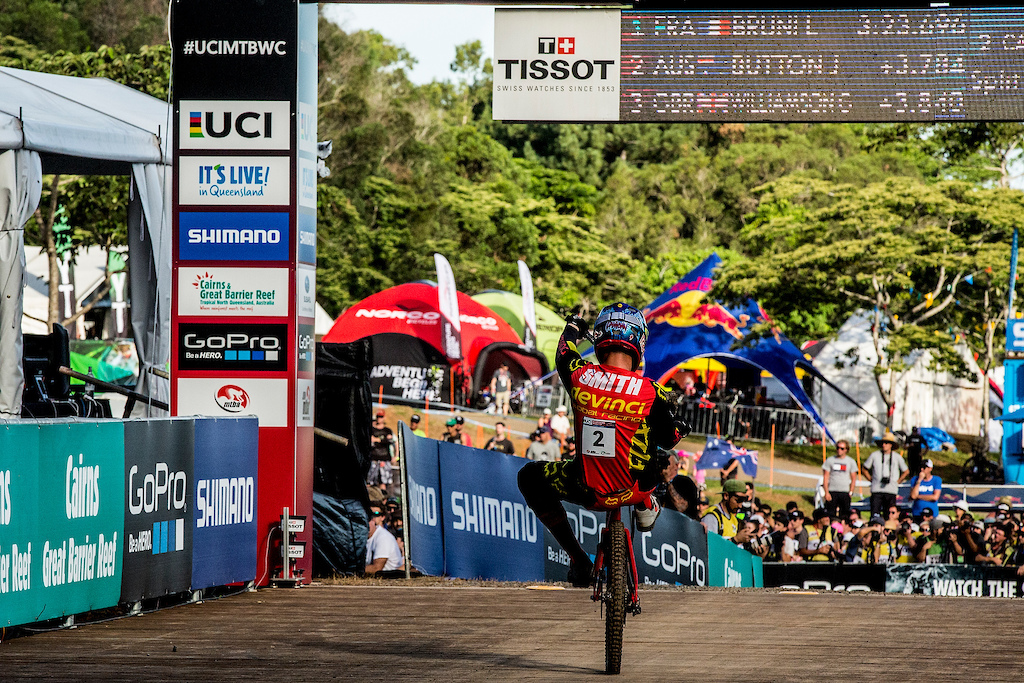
[{"x": 217, "y": 180}]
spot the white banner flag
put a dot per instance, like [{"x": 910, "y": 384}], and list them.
[
  {"x": 529, "y": 312},
  {"x": 448, "y": 305}
]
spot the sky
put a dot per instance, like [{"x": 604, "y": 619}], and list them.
[{"x": 429, "y": 32}]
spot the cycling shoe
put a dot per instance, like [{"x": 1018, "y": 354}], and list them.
[
  {"x": 580, "y": 575},
  {"x": 645, "y": 519}
]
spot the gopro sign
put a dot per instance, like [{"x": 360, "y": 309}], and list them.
[{"x": 1015, "y": 335}]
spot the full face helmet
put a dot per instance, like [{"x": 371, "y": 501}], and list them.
[{"x": 620, "y": 327}]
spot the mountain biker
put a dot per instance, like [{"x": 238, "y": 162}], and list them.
[{"x": 621, "y": 418}]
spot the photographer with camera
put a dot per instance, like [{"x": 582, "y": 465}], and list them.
[
  {"x": 887, "y": 470},
  {"x": 893, "y": 544},
  {"x": 966, "y": 539},
  {"x": 935, "y": 547},
  {"x": 818, "y": 541}
]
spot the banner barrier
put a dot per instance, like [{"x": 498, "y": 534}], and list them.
[
  {"x": 825, "y": 576},
  {"x": 467, "y": 519},
  {"x": 959, "y": 580},
  {"x": 731, "y": 566},
  {"x": 61, "y": 518},
  {"x": 93, "y": 513},
  {"x": 426, "y": 534},
  {"x": 158, "y": 495},
  {"x": 225, "y": 536},
  {"x": 489, "y": 531}
]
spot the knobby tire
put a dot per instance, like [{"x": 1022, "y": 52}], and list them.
[{"x": 617, "y": 595}]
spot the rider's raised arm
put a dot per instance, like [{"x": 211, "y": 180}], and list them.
[
  {"x": 567, "y": 357},
  {"x": 666, "y": 430}
]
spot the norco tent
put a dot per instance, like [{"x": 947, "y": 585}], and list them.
[
  {"x": 404, "y": 326},
  {"x": 510, "y": 307},
  {"x": 61, "y": 124},
  {"x": 685, "y": 325}
]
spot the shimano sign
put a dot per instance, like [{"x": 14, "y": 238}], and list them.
[{"x": 233, "y": 236}]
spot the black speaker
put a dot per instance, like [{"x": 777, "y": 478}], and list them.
[{"x": 42, "y": 356}]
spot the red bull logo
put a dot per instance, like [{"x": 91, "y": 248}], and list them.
[{"x": 689, "y": 310}]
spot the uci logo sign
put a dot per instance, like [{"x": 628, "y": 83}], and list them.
[{"x": 235, "y": 124}]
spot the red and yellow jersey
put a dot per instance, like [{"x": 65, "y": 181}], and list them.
[{"x": 621, "y": 419}]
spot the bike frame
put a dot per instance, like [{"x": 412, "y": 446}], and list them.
[{"x": 599, "y": 563}]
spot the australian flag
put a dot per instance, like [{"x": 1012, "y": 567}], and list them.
[{"x": 717, "y": 452}]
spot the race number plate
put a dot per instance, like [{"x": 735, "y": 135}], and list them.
[{"x": 598, "y": 438}]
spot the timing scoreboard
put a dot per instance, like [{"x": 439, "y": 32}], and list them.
[{"x": 925, "y": 65}]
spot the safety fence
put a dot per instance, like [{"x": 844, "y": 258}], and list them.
[
  {"x": 467, "y": 519},
  {"x": 97, "y": 513},
  {"x": 959, "y": 580}
]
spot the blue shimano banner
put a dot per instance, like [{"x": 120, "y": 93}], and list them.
[
  {"x": 489, "y": 531},
  {"x": 224, "y": 537},
  {"x": 426, "y": 536},
  {"x": 233, "y": 236},
  {"x": 307, "y": 238}
]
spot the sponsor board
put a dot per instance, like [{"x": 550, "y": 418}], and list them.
[
  {"x": 556, "y": 65},
  {"x": 307, "y": 238},
  {"x": 304, "y": 403},
  {"x": 234, "y": 124},
  {"x": 233, "y": 236},
  {"x": 307, "y": 127},
  {"x": 305, "y": 347},
  {"x": 158, "y": 500},
  {"x": 1014, "y": 335},
  {"x": 307, "y": 183},
  {"x": 203, "y": 346},
  {"x": 305, "y": 291},
  {"x": 233, "y": 291},
  {"x": 954, "y": 580},
  {"x": 217, "y": 180},
  {"x": 267, "y": 399},
  {"x": 825, "y": 576}
]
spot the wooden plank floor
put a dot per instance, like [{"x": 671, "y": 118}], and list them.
[{"x": 445, "y": 633}]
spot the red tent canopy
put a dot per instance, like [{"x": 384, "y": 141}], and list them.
[{"x": 412, "y": 309}]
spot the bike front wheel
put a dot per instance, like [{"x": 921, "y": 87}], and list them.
[{"x": 617, "y": 593}]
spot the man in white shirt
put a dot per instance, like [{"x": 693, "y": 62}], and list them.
[
  {"x": 382, "y": 551},
  {"x": 560, "y": 425}
]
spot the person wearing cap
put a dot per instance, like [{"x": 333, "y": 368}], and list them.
[
  {"x": 839, "y": 475},
  {"x": 817, "y": 541},
  {"x": 500, "y": 441},
  {"x": 501, "y": 388},
  {"x": 453, "y": 431},
  {"x": 961, "y": 508},
  {"x": 382, "y": 550},
  {"x": 790, "y": 550},
  {"x": 998, "y": 550},
  {"x": 934, "y": 547},
  {"x": 414, "y": 424},
  {"x": 560, "y": 425},
  {"x": 546, "y": 450},
  {"x": 722, "y": 519},
  {"x": 965, "y": 536},
  {"x": 916, "y": 449},
  {"x": 545, "y": 419},
  {"x": 887, "y": 470},
  {"x": 382, "y": 441},
  {"x": 925, "y": 489},
  {"x": 569, "y": 450}
]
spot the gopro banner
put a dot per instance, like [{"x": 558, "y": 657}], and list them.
[
  {"x": 489, "y": 531},
  {"x": 587, "y": 526},
  {"x": 426, "y": 540},
  {"x": 224, "y": 533},
  {"x": 158, "y": 501},
  {"x": 61, "y": 518},
  {"x": 825, "y": 576},
  {"x": 675, "y": 553}
]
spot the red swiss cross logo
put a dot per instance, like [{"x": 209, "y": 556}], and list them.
[{"x": 566, "y": 46}]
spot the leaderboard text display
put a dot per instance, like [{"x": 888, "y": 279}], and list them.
[{"x": 924, "y": 65}]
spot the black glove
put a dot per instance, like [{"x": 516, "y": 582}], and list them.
[
  {"x": 577, "y": 322},
  {"x": 682, "y": 427}
]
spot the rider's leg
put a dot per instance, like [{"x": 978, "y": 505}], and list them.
[{"x": 544, "y": 485}]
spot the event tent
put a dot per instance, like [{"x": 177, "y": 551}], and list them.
[
  {"x": 684, "y": 325},
  {"x": 404, "y": 325},
  {"x": 62, "y": 124},
  {"x": 510, "y": 307}
]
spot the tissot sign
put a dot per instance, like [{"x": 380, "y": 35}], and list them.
[{"x": 556, "y": 65}]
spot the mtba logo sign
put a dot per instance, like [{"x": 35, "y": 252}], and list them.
[{"x": 232, "y": 398}]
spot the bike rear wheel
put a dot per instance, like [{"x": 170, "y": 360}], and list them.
[{"x": 616, "y": 596}]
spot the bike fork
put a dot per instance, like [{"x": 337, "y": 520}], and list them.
[{"x": 634, "y": 579}]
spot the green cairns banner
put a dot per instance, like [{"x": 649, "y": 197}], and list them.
[
  {"x": 730, "y": 565},
  {"x": 61, "y": 518}
]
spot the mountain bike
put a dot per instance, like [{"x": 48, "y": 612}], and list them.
[{"x": 616, "y": 586}]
